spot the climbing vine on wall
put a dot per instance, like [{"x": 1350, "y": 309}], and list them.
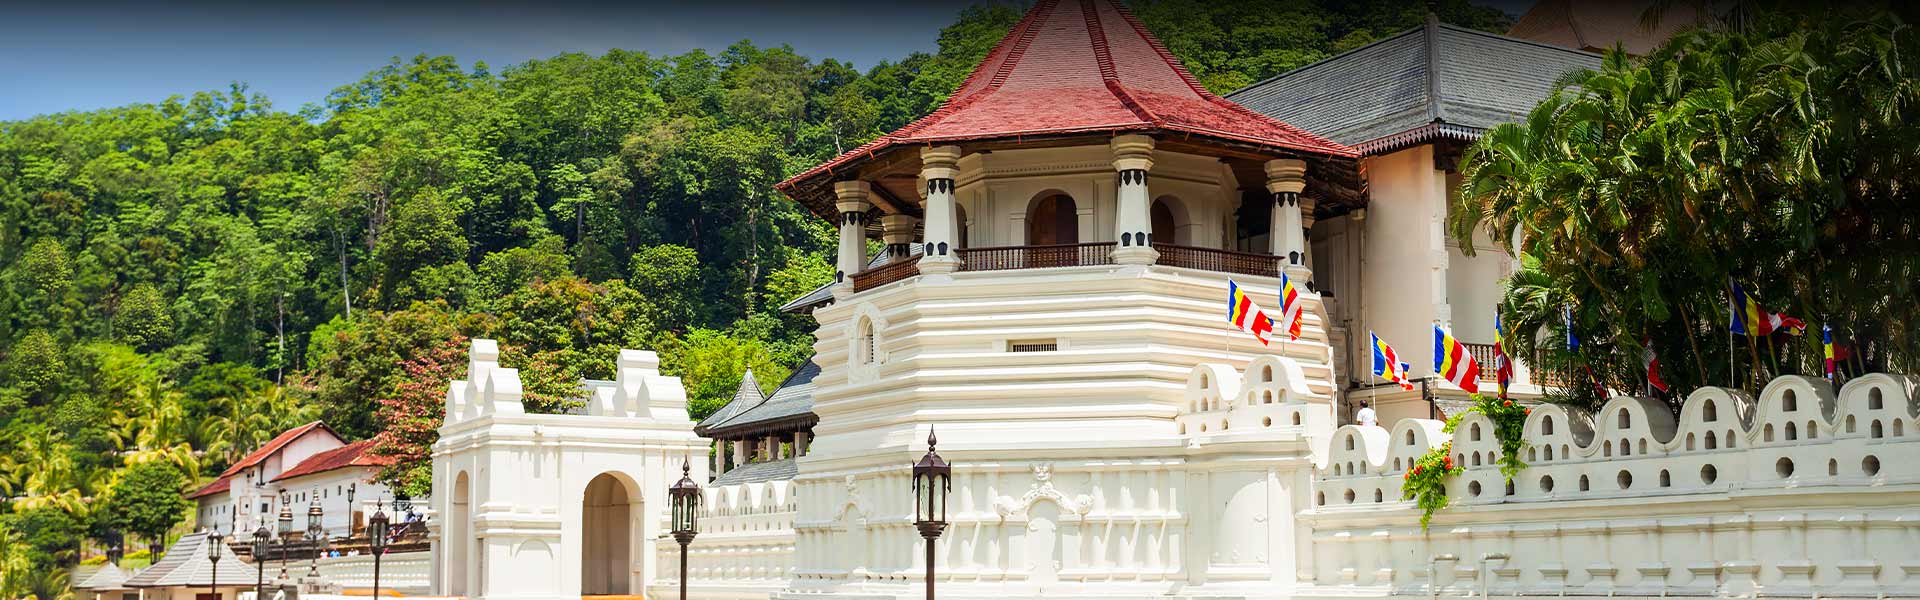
[
  {"x": 1426, "y": 480},
  {"x": 1509, "y": 422}
]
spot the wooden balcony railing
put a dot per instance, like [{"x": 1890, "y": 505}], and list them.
[
  {"x": 885, "y": 274},
  {"x": 1224, "y": 261},
  {"x": 1556, "y": 378},
  {"x": 1483, "y": 356},
  {"x": 1002, "y": 258}
]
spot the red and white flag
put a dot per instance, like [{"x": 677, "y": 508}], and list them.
[{"x": 1652, "y": 362}]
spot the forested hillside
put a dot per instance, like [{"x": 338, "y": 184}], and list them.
[{"x": 180, "y": 280}]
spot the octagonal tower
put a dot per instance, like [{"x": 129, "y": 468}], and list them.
[{"x": 1059, "y": 240}]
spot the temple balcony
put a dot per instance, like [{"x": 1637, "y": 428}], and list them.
[{"x": 1053, "y": 256}]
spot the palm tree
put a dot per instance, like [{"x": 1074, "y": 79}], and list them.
[{"x": 1777, "y": 156}]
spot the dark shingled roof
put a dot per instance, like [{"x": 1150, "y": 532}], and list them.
[
  {"x": 1433, "y": 81},
  {"x": 793, "y": 400},
  {"x": 772, "y": 470},
  {"x": 746, "y": 397},
  {"x": 186, "y": 565}
]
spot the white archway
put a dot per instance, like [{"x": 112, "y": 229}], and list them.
[
  {"x": 606, "y": 541},
  {"x": 459, "y": 535}
]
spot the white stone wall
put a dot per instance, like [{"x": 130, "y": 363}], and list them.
[
  {"x": 521, "y": 514},
  {"x": 1804, "y": 491}
]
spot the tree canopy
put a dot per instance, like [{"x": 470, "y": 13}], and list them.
[{"x": 1780, "y": 156}]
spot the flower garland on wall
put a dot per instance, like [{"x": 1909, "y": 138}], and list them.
[{"x": 1426, "y": 481}]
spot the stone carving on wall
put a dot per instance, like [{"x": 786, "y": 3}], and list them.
[{"x": 1042, "y": 488}]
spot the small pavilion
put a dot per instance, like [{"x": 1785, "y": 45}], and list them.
[
  {"x": 107, "y": 583},
  {"x": 184, "y": 572},
  {"x": 757, "y": 436}
]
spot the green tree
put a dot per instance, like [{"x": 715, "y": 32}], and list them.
[
  {"x": 36, "y": 367},
  {"x": 144, "y": 320},
  {"x": 668, "y": 276},
  {"x": 148, "y": 501},
  {"x": 1785, "y": 147}
]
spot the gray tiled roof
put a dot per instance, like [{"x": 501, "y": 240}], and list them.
[
  {"x": 793, "y": 398},
  {"x": 772, "y": 470},
  {"x": 107, "y": 578},
  {"x": 747, "y": 396},
  {"x": 1436, "y": 73},
  {"x": 186, "y": 565}
]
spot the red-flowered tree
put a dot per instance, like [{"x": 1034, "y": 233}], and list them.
[{"x": 410, "y": 415}]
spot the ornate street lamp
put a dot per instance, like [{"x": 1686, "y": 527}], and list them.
[
  {"x": 286, "y": 529},
  {"x": 377, "y": 539},
  {"x": 685, "y": 495},
  {"x": 350, "y": 513},
  {"x": 213, "y": 556},
  {"x": 316, "y": 534},
  {"x": 932, "y": 479},
  {"x": 116, "y": 547},
  {"x": 261, "y": 546}
]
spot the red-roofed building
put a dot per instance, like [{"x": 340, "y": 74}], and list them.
[{"x": 301, "y": 465}]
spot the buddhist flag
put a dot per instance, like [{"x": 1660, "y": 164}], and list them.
[
  {"x": 1566, "y": 315},
  {"x": 1243, "y": 313},
  {"x": 1748, "y": 318},
  {"x": 1290, "y": 307},
  {"x": 1453, "y": 362},
  {"x": 1826, "y": 346},
  {"x": 1502, "y": 366},
  {"x": 1652, "y": 362},
  {"x": 1387, "y": 365}
]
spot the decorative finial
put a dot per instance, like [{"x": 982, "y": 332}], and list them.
[
  {"x": 686, "y": 467},
  {"x": 931, "y": 440}
]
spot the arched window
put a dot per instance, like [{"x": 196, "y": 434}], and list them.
[
  {"x": 1164, "y": 227},
  {"x": 868, "y": 345},
  {"x": 1053, "y": 220}
]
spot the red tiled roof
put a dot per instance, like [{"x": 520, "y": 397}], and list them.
[
  {"x": 1083, "y": 66},
  {"x": 274, "y": 445},
  {"x": 351, "y": 455},
  {"x": 219, "y": 485}
]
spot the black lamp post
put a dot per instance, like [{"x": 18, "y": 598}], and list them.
[
  {"x": 932, "y": 479},
  {"x": 377, "y": 539},
  {"x": 685, "y": 495},
  {"x": 350, "y": 514},
  {"x": 286, "y": 528},
  {"x": 260, "y": 548},
  {"x": 213, "y": 556},
  {"x": 316, "y": 534},
  {"x": 116, "y": 547}
]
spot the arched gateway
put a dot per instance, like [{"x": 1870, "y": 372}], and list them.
[{"x": 557, "y": 506}]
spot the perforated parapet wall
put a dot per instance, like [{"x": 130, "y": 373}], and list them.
[
  {"x": 1804, "y": 490},
  {"x": 745, "y": 547}
]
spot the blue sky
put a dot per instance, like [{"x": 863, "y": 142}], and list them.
[
  {"x": 82, "y": 55},
  {"x": 79, "y": 55}
]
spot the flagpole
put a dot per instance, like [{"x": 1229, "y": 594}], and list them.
[
  {"x": 1731, "y": 370},
  {"x": 1753, "y": 351}
]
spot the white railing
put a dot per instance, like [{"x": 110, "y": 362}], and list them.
[{"x": 409, "y": 573}]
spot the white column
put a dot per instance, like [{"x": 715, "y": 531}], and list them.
[
  {"x": 897, "y": 232},
  {"x": 1133, "y": 223},
  {"x": 938, "y": 169},
  {"x": 739, "y": 453},
  {"x": 1286, "y": 177},
  {"x": 853, "y": 205}
]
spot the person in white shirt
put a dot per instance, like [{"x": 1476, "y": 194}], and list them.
[{"x": 1365, "y": 416}]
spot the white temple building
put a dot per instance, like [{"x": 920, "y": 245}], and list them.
[{"x": 1060, "y": 236}]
